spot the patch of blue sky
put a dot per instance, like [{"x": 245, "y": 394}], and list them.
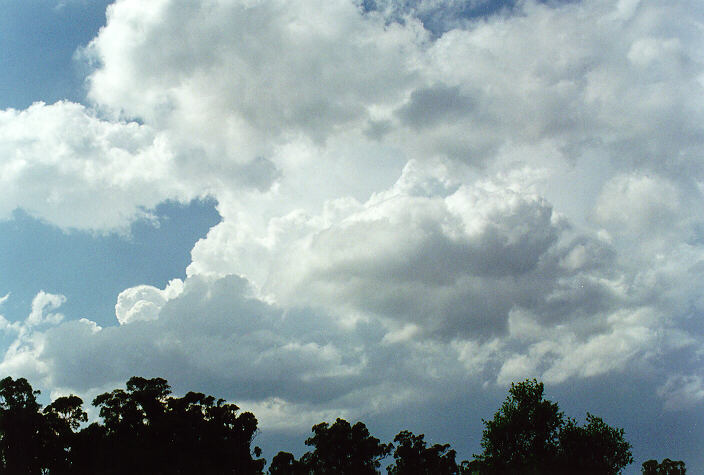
[
  {"x": 439, "y": 17},
  {"x": 91, "y": 270},
  {"x": 38, "y": 40}
]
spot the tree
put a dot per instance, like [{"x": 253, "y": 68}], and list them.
[
  {"x": 343, "y": 449},
  {"x": 211, "y": 436},
  {"x": 23, "y": 432},
  {"x": 530, "y": 435},
  {"x": 68, "y": 410},
  {"x": 156, "y": 433},
  {"x": 133, "y": 423},
  {"x": 413, "y": 457},
  {"x": 523, "y": 436},
  {"x": 62, "y": 418},
  {"x": 666, "y": 467},
  {"x": 594, "y": 448},
  {"x": 284, "y": 463}
]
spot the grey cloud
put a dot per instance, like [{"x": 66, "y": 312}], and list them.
[
  {"x": 435, "y": 105},
  {"x": 214, "y": 334},
  {"x": 377, "y": 129},
  {"x": 455, "y": 266},
  {"x": 260, "y": 173}
]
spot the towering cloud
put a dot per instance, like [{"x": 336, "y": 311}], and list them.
[{"x": 411, "y": 196}]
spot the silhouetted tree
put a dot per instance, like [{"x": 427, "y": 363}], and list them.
[
  {"x": 413, "y": 457},
  {"x": 666, "y": 467},
  {"x": 23, "y": 431},
  {"x": 284, "y": 463},
  {"x": 523, "y": 435},
  {"x": 593, "y": 448},
  {"x": 155, "y": 433},
  {"x": 529, "y": 435},
  {"x": 344, "y": 449},
  {"x": 145, "y": 430},
  {"x": 62, "y": 418},
  {"x": 210, "y": 436}
]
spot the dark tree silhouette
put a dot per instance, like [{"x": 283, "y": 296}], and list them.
[
  {"x": 666, "y": 467},
  {"x": 146, "y": 430},
  {"x": 529, "y": 435},
  {"x": 413, "y": 457},
  {"x": 155, "y": 433},
  {"x": 284, "y": 463},
  {"x": 62, "y": 417},
  {"x": 209, "y": 436},
  {"x": 68, "y": 410},
  {"x": 343, "y": 449},
  {"x": 133, "y": 426},
  {"x": 593, "y": 448},
  {"x": 23, "y": 432},
  {"x": 523, "y": 435}
]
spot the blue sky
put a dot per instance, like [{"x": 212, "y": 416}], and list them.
[
  {"x": 40, "y": 38},
  {"x": 384, "y": 211},
  {"x": 79, "y": 264}
]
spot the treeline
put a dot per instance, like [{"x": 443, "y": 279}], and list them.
[{"x": 143, "y": 429}]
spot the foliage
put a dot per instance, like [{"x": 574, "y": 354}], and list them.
[
  {"x": 158, "y": 433},
  {"x": 62, "y": 417},
  {"x": 593, "y": 448},
  {"x": 143, "y": 429},
  {"x": 284, "y": 463},
  {"x": 343, "y": 449},
  {"x": 523, "y": 436},
  {"x": 529, "y": 434},
  {"x": 666, "y": 467},
  {"x": 22, "y": 429},
  {"x": 339, "y": 448},
  {"x": 413, "y": 457}
]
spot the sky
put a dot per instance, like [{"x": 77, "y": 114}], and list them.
[{"x": 383, "y": 210}]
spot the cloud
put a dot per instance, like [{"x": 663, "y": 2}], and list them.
[
  {"x": 444, "y": 261},
  {"x": 66, "y": 166},
  {"x": 503, "y": 197},
  {"x": 232, "y": 81},
  {"x": 214, "y": 333},
  {"x": 682, "y": 391},
  {"x": 41, "y": 304},
  {"x": 144, "y": 302},
  {"x": 434, "y": 105},
  {"x": 426, "y": 284}
]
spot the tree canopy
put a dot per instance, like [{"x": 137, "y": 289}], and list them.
[
  {"x": 530, "y": 435},
  {"x": 159, "y": 433},
  {"x": 340, "y": 448},
  {"x": 144, "y": 429},
  {"x": 413, "y": 457},
  {"x": 24, "y": 437},
  {"x": 666, "y": 467}
]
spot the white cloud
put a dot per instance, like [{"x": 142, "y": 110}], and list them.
[
  {"x": 23, "y": 356},
  {"x": 66, "y": 166},
  {"x": 41, "y": 304},
  {"x": 144, "y": 302},
  {"x": 682, "y": 391}
]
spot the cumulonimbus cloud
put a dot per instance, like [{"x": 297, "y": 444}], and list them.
[{"x": 501, "y": 198}]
